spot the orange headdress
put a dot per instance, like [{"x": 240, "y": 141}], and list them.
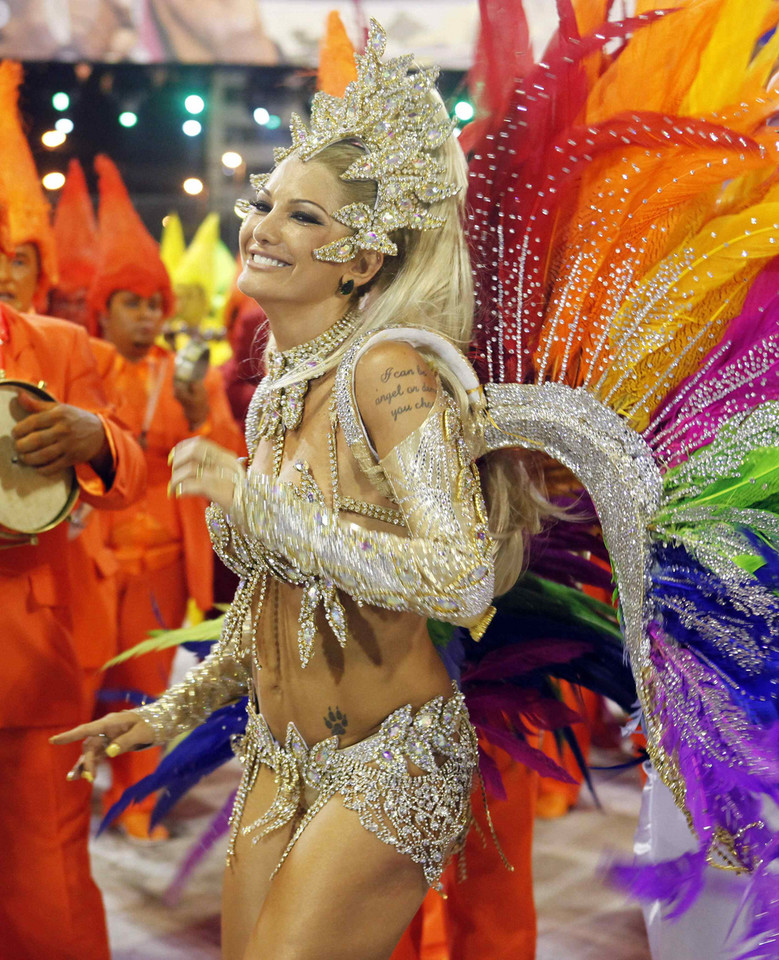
[
  {"x": 129, "y": 257},
  {"x": 75, "y": 232},
  {"x": 25, "y": 212},
  {"x": 336, "y": 58}
]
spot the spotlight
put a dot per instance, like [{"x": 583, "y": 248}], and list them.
[
  {"x": 60, "y": 101},
  {"x": 194, "y": 103},
  {"x": 54, "y": 180},
  {"x": 274, "y": 122},
  {"x": 193, "y": 186},
  {"x": 192, "y": 127},
  {"x": 64, "y": 125},
  {"x": 128, "y": 118},
  {"x": 232, "y": 160},
  {"x": 53, "y": 138},
  {"x": 463, "y": 111},
  {"x": 261, "y": 116}
]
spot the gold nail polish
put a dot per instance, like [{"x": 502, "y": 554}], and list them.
[
  {"x": 170, "y": 489},
  {"x": 86, "y": 775},
  {"x": 170, "y": 457},
  {"x": 113, "y": 750},
  {"x": 72, "y": 775}
]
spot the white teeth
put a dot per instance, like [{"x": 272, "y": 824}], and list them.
[{"x": 267, "y": 261}]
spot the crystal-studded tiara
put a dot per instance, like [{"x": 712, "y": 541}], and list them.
[{"x": 387, "y": 112}]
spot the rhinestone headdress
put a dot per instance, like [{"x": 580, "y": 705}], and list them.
[{"x": 386, "y": 111}]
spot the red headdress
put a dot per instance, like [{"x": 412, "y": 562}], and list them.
[
  {"x": 129, "y": 257},
  {"x": 75, "y": 232},
  {"x": 25, "y": 212}
]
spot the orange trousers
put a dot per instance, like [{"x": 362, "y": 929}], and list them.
[
  {"x": 50, "y": 907},
  {"x": 144, "y": 600},
  {"x": 490, "y": 915}
]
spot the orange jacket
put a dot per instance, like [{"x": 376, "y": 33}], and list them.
[
  {"x": 159, "y": 529},
  {"x": 40, "y": 658}
]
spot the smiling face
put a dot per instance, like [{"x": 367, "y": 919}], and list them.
[
  {"x": 292, "y": 217},
  {"x": 132, "y": 322}
]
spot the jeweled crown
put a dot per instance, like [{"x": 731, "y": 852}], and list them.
[{"x": 388, "y": 112}]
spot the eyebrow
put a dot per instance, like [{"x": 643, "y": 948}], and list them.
[{"x": 299, "y": 200}]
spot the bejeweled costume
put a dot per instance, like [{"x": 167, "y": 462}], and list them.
[{"x": 623, "y": 222}]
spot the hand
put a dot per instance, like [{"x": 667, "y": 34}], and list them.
[
  {"x": 193, "y": 397},
  {"x": 107, "y": 737},
  {"x": 201, "y": 468},
  {"x": 57, "y": 435}
]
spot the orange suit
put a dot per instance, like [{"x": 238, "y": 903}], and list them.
[
  {"x": 94, "y": 604},
  {"x": 161, "y": 544},
  {"x": 49, "y": 904}
]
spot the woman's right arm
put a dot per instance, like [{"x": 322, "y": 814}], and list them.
[{"x": 220, "y": 679}]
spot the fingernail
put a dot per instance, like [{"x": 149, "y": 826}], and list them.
[
  {"x": 170, "y": 489},
  {"x": 72, "y": 775},
  {"x": 86, "y": 775},
  {"x": 170, "y": 457},
  {"x": 113, "y": 750}
]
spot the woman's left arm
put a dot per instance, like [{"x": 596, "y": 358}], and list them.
[{"x": 444, "y": 569}]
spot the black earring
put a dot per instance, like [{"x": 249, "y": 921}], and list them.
[{"x": 346, "y": 287}]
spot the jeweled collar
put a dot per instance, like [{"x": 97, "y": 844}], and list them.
[{"x": 281, "y": 408}]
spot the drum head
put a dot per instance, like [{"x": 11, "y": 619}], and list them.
[{"x": 29, "y": 502}]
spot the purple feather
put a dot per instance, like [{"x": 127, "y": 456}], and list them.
[{"x": 218, "y": 827}]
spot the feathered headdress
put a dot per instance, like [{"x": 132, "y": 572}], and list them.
[{"x": 25, "y": 211}]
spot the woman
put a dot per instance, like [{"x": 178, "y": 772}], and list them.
[{"x": 360, "y": 516}]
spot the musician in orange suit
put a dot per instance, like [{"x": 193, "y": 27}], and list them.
[
  {"x": 49, "y": 904},
  {"x": 162, "y": 545}
]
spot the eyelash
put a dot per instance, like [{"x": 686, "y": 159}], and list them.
[{"x": 262, "y": 206}]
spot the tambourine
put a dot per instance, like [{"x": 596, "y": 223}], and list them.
[{"x": 29, "y": 502}]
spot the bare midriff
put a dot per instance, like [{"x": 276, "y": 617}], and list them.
[{"x": 389, "y": 660}]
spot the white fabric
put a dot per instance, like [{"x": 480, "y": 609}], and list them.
[{"x": 702, "y": 932}]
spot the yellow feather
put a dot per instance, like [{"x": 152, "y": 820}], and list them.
[
  {"x": 681, "y": 308},
  {"x": 725, "y": 60}
]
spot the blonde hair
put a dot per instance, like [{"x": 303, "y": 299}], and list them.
[{"x": 429, "y": 284}]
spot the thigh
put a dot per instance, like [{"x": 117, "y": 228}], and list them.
[
  {"x": 342, "y": 894},
  {"x": 247, "y": 877}
]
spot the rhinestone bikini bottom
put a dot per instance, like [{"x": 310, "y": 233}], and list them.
[{"x": 424, "y": 815}]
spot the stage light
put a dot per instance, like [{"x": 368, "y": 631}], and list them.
[
  {"x": 261, "y": 116},
  {"x": 192, "y": 127},
  {"x": 194, "y": 103},
  {"x": 232, "y": 160},
  {"x": 53, "y": 138},
  {"x": 60, "y": 101},
  {"x": 128, "y": 118},
  {"x": 274, "y": 122},
  {"x": 193, "y": 186},
  {"x": 54, "y": 180},
  {"x": 64, "y": 125},
  {"x": 463, "y": 111}
]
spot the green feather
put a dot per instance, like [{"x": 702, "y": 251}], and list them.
[{"x": 165, "y": 639}]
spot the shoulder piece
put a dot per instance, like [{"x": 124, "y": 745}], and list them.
[{"x": 348, "y": 413}]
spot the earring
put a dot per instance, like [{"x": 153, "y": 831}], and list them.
[{"x": 345, "y": 287}]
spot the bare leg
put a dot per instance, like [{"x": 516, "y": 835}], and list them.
[
  {"x": 247, "y": 878},
  {"x": 342, "y": 894}
]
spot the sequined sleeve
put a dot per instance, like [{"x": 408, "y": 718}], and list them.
[
  {"x": 220, "y": 679},
  {"x": 444, "y": 569}
]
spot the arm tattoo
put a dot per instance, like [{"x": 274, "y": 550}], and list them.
[
  {"x": 335, "y": 721},
  {"x": 403, "y": 397}
]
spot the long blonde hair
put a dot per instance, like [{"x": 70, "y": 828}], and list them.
[{"x": 429, "y": 284}]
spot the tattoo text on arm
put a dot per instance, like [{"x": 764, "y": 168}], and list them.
[{"x": 403, "y": 397}]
